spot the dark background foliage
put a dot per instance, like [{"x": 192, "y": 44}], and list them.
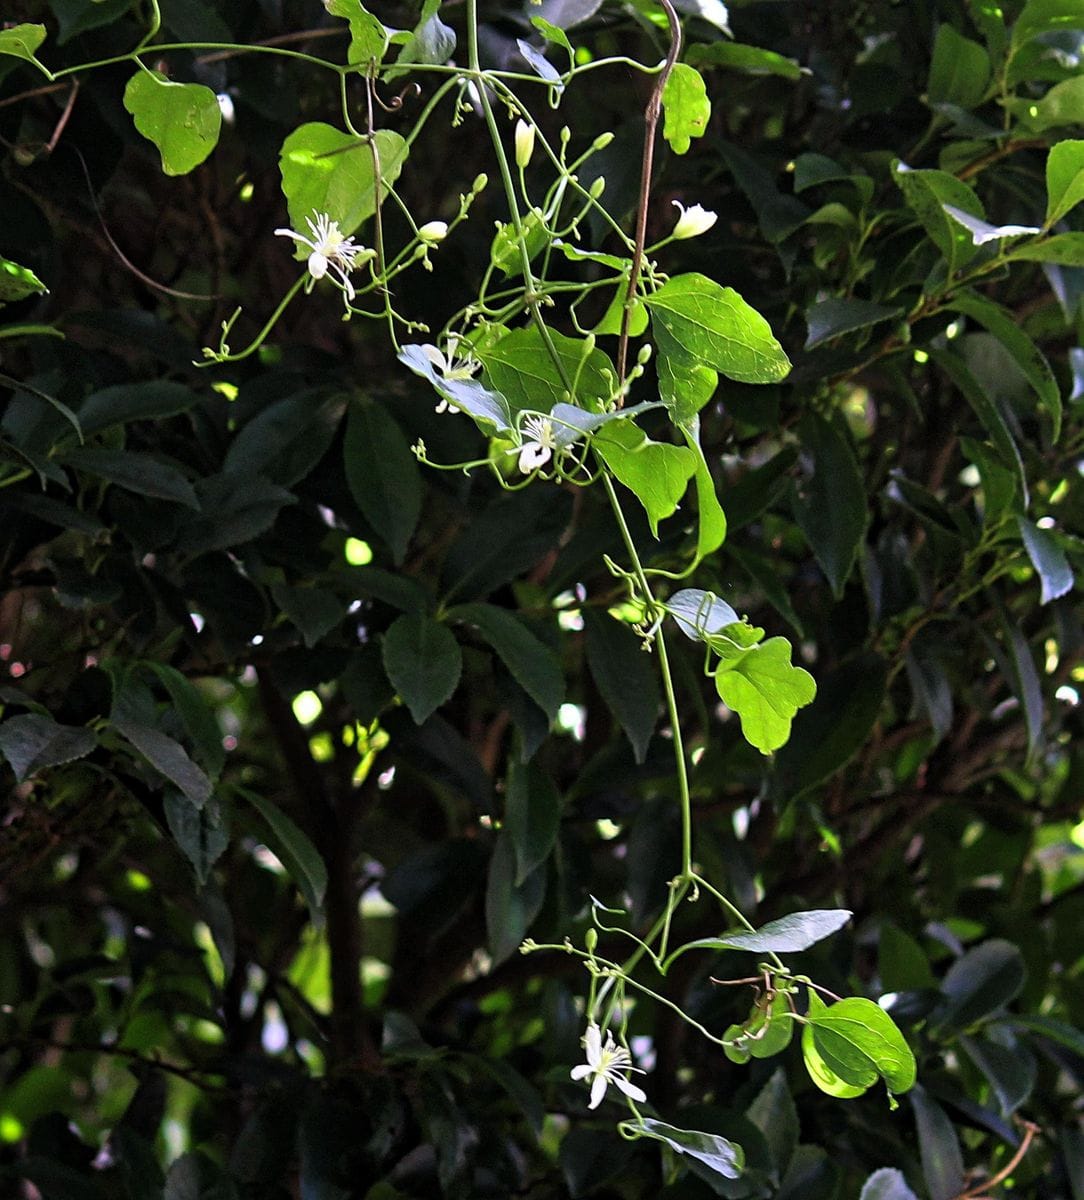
[{"x": 287, "y": 953}]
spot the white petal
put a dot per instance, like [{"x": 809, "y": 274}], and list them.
[
  {"x": 531, "y": 457},
  {"x": 581, "y": 1072},
  {"x": 317, "y": 265},
  {"x": 598, "y": 1090},
  {"x": 592, "y": 1043},
  {"x": 630, "y": 1089}
]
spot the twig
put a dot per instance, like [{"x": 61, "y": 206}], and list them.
[
  {"x": 651, "y": 124},
  {"x": 65, "y": 116},
  {"x": 976, "y": 1192}
]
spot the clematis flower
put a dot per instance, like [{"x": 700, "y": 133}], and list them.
[
  {"x": 605, "y": 1064},
  {"x": 330, "y": 251},
  {"x": 537, "y": 449},
  {"x": 433, "y": 231},
  {"x": 693, "y": 221},
  {"x": 452, "y": 365},
  {"x": 524, "y": 143}
]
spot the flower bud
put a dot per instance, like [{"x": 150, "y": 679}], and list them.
[
  {"x": 693, "y": 221},
  {"x": 590, "y": 939},
  {"x": 479, "y": 184},
  {"x": 602, "y": 141},
  {"x": 433, "y": 231},
  {"x": 643, "y": 355},
  {"x": 524, "y": 143},
  {"x": 597, "y": 188}
]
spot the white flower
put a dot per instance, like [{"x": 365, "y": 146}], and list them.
[
  {"x": 604, "y": 1066},
  {"x": 453, "y": 366},
  {"x": 524, "y": 143},
  {"x": 693, "y": 221},
  {"x": 433, "y": 231},
  {"x": 330, "y": 251},
  {"x": 537, "y": 449}
]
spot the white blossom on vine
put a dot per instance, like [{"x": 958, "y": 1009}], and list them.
[
  {"x": 538, "y": 445},
  {"x": 694, "y": 220},
  {"x": 605, "y": 1064},
  {"x": 453, "y": 365},
  {"x": 330, "y": 251}
]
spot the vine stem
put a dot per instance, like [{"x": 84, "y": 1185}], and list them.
[{"x": 651, "y": 125}]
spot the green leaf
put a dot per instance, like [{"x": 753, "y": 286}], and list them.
[
  {"x": 1065, "y": 249},
  {"x": 886, "y": 1184},
  {"x": 717, "y": 1153},
  {"x": 939, "y": 1148},
  {"x": 656, "y": 473},
  {"x": 711, "y": 519},
  {"x": 431, "y": 41},
  {"x": 327, "y": 171},
  {"x": 35, "y": 741},
  {"x": 901, "y": 962},
  {"x": 1056, "y": 1031},
  {"x": 532, "y": 664},
  {"x": 735, "y": 56},
  {"x": 827, "y": 319},
  {"x": 1064, "y": 179},
  {"x": 979, "y": 983},
  {"x": 368, "y": 38},
  {"x": 831, "y": 505},
  {"x": 765, "y": 690},
  {"x": 21, "y": 41},
  {"x": 1023, "y": 676},
  {"x": 959, "y": 71},
  {"x": 926, "y": 194},
  {"x": 182, "y": 119},
  {"x": 625, "y": 676},
  {"x": 80, "y": 16},
  {"x": 169, "y": 758},
  {"x": 788, "y": 935},
  {"x": 299, "y": 856},
  {"x": 774, "y": 1113},
  {"x": 532, "y": 815},
  {"x": 382, "y": 475},
  {"x": 1048, "y": 559},
  {"x": 686, "y": 107},
  {"x": 1063, "y": 105},
  {"x": 1046, "y": 16},
  {"x": 553, "y": 33},
  {"x": 196, "y": 714},
  {"x": 857, "y": 1026},
  {"x": 779, "y": 214},
  {"x": 685, "y": 385},
  {"x": 818, "y": 1067},
  {"x": 988, "y": 412},
  {"x": 1030, "y": 359},
  {"x": 423, "y": 662},
  {"x": 522, "y": 370},
  {"x": 510, "y": 906},
  {"x": 135, "y": 472},
  {"x": 716, "y": 327},
  {"x": 152, "y": 400},
  {"x": 17, "y": 282}
]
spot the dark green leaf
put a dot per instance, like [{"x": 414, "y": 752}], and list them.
[
  {"x": 1010, "y": 1072},
  {"x": 182, "y": 119},
  {"x": 135, "y": 472},
  {"x": 521, "y": 369},
  {"x": 625, "y": 676},
  {"x": 169, "y": 758},
  {"x": 927, "y": 193},
  {"x": 788, "y": 935},
  {"x": 1025, "y": 682},
  {"x": 828, "y": 319},
  {"x": 293, "y": 846},
  {"x": 774, "y": 1113},
  {"x": 980, "y": 982},
  {"x": 199, "y": 831},
  {"x": 830, "y": 504},
  {"x": 1066, "y": 249},
  {"x": 383, "y": 475},
  {"x": 715, "y": 326},
  {"x": 532, "y": 664},
  {"x": 510, "y": 907},
  {"x": 149, "y": 401},
  {"x": 736, "y": 56},
  {"x": 236, "y": 508},
  {"x": 423, "y": 662},
  {"x": 35, "y": 741},
  {"x": 942, "y": 1161},
  {"x": 314, "y": 610},
  {"x": 901, "y": 963},
  {"x": 778, "y": 214},
  {"x": 959, "y": 70},
  {"x": 1048, "y": 559},
  {"x": 532, "y": 817},
  {"x": 196, "y": 713}
]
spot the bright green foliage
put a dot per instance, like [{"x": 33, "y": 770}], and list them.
[
  {"x": 761, "y": 685},
  {"x": 368, "y": 37},
  {"x": 182, "y": 119},
  {"x": 21, "y": 41},
  {"x": 17, "y": 282},
  {"x": 686, "y": 107}
]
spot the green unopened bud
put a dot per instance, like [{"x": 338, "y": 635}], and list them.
[
  {"x": 597, "y": 188},
  {"x": 479, "y": 184},
  {"x": 524, "y": 143},
  {"x": 566, "y": 135},
  {"x": 590, "y": 939},
  {"x": 602, "y": 141},
  {"x": 643, "y": 355},
  {"x": 433, "y": 231}
]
